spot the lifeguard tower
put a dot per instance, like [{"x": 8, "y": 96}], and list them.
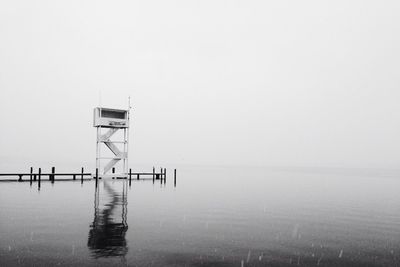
[{"x": 108, "y": 122}]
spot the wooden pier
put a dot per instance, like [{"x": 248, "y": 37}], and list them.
[
  {"x": 71, "y": 176},
  {"x": 51, "y": 176}
]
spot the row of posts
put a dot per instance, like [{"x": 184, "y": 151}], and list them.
[
  {"x": 37, "y": 177},
  {"x": 156, "y": 176}
]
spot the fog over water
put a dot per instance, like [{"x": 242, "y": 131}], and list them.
[
  {"x": 282, "y": 118},
  {"x": 275, "y": 83}
]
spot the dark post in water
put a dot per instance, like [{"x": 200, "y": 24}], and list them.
[
  {"x": 130, "y": 177},
  {"x": 40, "y": 172},
  {"x": 97, "y": 176},
  {"x": 53, "y": 171},
  {"x": 30, "y": 178},
  {"x": 175, "y": 177}
]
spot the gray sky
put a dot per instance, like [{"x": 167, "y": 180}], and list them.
[{"x": 286, "y": 83}]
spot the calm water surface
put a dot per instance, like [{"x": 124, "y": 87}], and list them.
[{"x": 214, "y": 217}]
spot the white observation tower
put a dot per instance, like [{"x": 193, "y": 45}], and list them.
[{"x": 108, "y": 122}]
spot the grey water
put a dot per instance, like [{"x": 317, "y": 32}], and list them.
[{"x": 215, "y": 216}]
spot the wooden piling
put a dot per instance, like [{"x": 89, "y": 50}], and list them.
[
  {"x": 97, "y": 176},
  {"x": 137, "y": 178},
  {"x": 82, "y": 170},
  {"x": 31, "y": 173},
  {"x": 175, "y": 177},
  {"x": 20, "y": 178},
  {"x": 154, "y": 170},
  {"x": 39, "y": 174},
  {"x": 113, "y": 171},
  {"x": 53, "y": 171},
  {"x": 30, "y": 177},
  {"x": 130, "y": 177},
  {"x": 165, "y": 175}
]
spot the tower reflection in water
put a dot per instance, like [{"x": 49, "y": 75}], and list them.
[{"x": 109, "y": 227}]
